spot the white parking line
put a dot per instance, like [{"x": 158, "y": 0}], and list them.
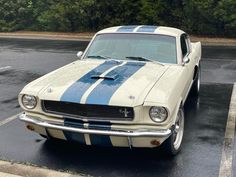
[
  {"x": 5, "y": 68},
  {"x": 9, "y": 119},
  {"x": 226, "y": 165}
]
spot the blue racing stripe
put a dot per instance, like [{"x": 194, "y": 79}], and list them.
[
  {"x": 148, "y": 29},
  {"x": 102, "y": 94},
  {"x": 127, "y": 28},
  {"x": 75, "y": 92},
  {"x": 100, "y": 140},
  {"x": 72, "y": 136}
]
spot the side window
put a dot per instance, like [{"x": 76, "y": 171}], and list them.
[{"x": 184, "y": 47}]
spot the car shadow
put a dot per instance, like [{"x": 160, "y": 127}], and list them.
[{"x": 98, "y": 161}]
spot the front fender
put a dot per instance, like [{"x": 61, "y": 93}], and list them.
[{"x": 169, "y": 92}]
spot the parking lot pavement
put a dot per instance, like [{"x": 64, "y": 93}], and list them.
[
  {"x": 22, "y": 61},
  {"x": 219, "y": 64},
  {"x": 206, "y": 117}
]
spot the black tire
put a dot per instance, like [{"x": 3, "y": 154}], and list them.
[
  {"x": 196, "y": 84},
  {"x": 174, "y": 143},
  {"x": 48, "y": 138}
]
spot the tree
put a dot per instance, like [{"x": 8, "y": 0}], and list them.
[{"x": 206, "y": 17}]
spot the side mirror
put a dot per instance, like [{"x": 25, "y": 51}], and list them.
[
  {"x": 186, "y": 60},
  {"x": 79, "y": 54}
]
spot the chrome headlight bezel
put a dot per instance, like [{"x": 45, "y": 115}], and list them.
[
  {"x": 29, "y": 101},
  {"x": 158, "y": 114}
]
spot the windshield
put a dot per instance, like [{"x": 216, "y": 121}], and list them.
[{"x": 154, "y": 47}]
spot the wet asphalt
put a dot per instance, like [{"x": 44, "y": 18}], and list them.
[{"x": 205, "y": 118}]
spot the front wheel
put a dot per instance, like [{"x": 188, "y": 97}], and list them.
[{"x": 173, "y": 144}]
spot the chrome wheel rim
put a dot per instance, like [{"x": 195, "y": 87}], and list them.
[{"x": 179, "y": 130}]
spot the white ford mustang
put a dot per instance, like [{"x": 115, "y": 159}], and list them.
[{"x": 127, "y": 90}]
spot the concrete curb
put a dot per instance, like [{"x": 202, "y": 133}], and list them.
[
  {"x": 207, "y": 41},
  {"x": 46, "y": 36},
  {"x": 8, "y": 175},
  {"x": 217, "y": 41},
  {"x": 8, "y": 169}
]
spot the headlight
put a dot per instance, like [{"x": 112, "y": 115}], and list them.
[
  {"x": 158, "y": 114},
  {"x": 29, "y": 101}
]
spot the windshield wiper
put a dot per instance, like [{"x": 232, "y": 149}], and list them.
[
  {"x": 98, "y": 56},
  {"x": 143, "y": 59},
  {"x": 138, "y": 58}
]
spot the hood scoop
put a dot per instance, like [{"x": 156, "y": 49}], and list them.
[
  {"x": 113, "y": 75},
  {"x": 108, "y": 77}
]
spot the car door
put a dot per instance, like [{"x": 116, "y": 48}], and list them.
[{"x": 188, "y": 62}]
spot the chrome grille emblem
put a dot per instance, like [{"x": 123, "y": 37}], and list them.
[{"x": 124, "y": 111}]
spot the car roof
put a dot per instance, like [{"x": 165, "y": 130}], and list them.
[{"x": 149, "y": 29}]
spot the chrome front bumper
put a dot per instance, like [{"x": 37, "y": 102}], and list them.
[{"x": 123, "y": 133}]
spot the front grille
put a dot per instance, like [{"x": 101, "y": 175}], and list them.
[{"x": 98, "y": 112}]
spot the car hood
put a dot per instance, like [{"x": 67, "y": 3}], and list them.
[{"x": 100, "y": 82}]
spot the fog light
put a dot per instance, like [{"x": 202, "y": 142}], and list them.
[
  {"x": 155, "y": 143},
  {"x": 30, "y": 127}
]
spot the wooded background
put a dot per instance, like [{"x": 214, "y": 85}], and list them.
[{"x": 202, "y": 17}]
